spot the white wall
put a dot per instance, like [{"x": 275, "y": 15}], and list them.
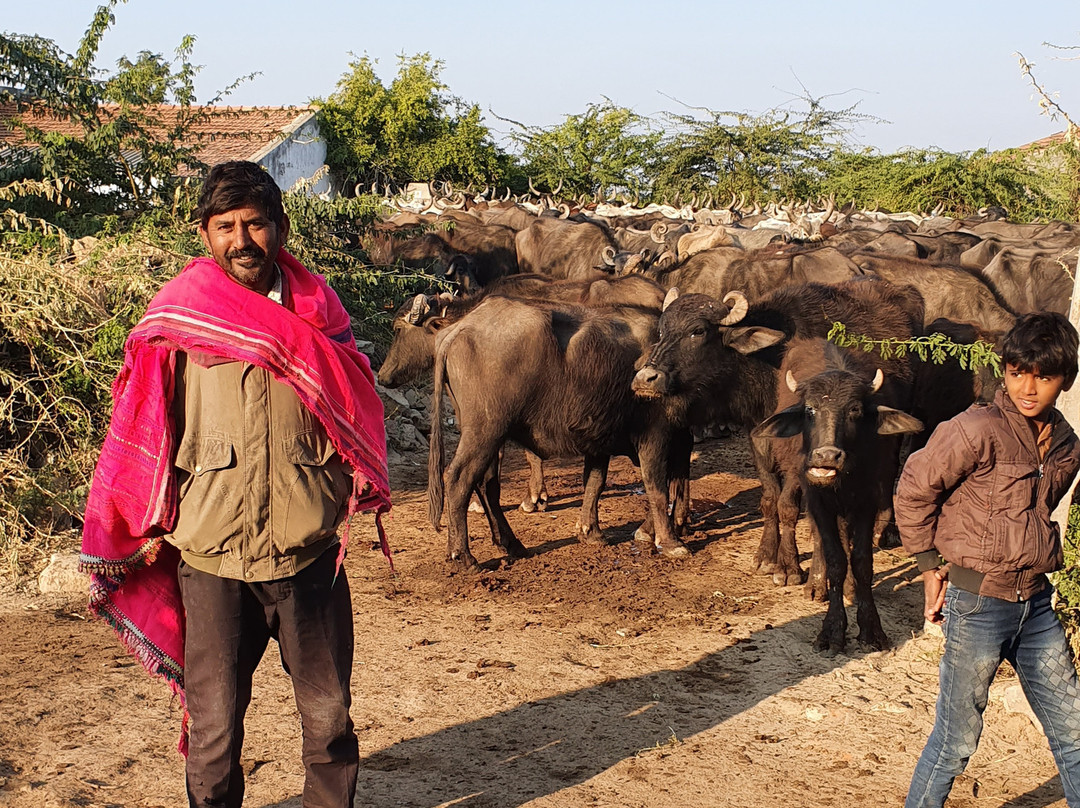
[{"x": 299, "y": 156}]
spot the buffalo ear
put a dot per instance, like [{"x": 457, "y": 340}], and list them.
[
  {"x": 784, "y": 424},
  {"x": 752, "y": 338},
  {"x": 896, "y": 422}
]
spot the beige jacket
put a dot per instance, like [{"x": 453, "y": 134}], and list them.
[{"x": 261, "y": 488}]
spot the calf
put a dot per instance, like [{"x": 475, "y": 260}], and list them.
[{"x": 846, "y": 462}]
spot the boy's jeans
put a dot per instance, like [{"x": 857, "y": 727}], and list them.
[{"x": 980, "y": 632}]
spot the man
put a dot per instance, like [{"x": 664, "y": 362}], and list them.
[{"x": 246, "y": 428}]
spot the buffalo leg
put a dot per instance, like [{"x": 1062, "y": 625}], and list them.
[
  {"x": 537, "y": 499},
  {"x": 461, "y": 478},
  {"x": 682, "y": 445},
  {"x": 502, "y": 535},
  {"x": 862, "y": 568},
  {"x": 766, "y": 556},
  {"x": 817, "y": 586},
  {"x": 594, "y": 477},
  {"x": 833, "y": 635},
  {"x": 788, "y": 572},
  {"x": 653, "y": 454}
]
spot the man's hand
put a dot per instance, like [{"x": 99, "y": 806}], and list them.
[{"x": 935, "y": 582}]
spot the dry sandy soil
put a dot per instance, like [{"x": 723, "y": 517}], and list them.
[{"x": 583, "y": 676}]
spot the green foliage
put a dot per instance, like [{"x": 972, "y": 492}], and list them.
[
  {"x": 958, "y": 184},
  {"x": 120, "y": 151},
  {"x": 1067, "y": 580},
  {"x": 411, "y": 131},
  {"x": 605, "y": 149},
  {"x": 778, "y": 154},
  {"x": 326, "y": 238},
  {"x": 936, "y": 348}
]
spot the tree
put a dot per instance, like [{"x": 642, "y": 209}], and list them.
[
  {"x": 924, "y": 179},
  {"x": 413, "y": 130},
  {"x": 605, "y": 149},
  {"x": 122, "y": 151},
  {"x": 776, "y": 154}
]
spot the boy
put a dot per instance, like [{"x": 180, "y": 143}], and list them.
[{"x": 974, "y": 508}]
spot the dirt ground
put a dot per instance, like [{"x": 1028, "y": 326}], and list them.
[{"x": 583, "y": 676}]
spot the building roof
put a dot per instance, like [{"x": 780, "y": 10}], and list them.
[
  {"x": 220, "y": 133},
  {"x": 1055, "y": 139}
]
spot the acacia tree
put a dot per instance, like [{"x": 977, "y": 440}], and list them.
[
  {"x": 605, "y": 149},
  {"x": 413, "y": 130},
  {"x": 958, "y": 184},
  {"x": 775, "y": 154}
]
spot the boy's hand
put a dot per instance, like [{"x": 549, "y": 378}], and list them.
[{"x": 935, "y": 582}]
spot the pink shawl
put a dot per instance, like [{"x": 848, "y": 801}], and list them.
[{"x": 132, "y": 502}]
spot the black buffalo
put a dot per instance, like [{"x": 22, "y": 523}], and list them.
[
  {"x": 554, "y": 378},
  {"x": 835, "y": 403},
  {"x": 718, "y": 362}
]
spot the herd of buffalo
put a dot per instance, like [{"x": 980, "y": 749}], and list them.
[{"x": 598, "y": 330}]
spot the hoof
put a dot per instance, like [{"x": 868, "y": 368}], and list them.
[
  {"x": 829, "y": 647},
  {"x": 765, "y": 567},
  {"x": 530, "y": 505},
  {"x": 592, "y": 535},
  {"x": 874, "y": 638},
  {"x": 676, "y": 549},
  {"x": 515, "y": 550},
  {"x": 642, "y": 537},
  {"x": 788, "y": 577},
  {"x": 475, "y": 506},
  {"x": 465, "y": 562}
]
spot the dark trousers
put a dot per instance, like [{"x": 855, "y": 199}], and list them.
[{"x": 229, "y": 624}]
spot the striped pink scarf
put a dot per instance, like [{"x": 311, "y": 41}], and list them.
[{"x": 133, "y": 502}]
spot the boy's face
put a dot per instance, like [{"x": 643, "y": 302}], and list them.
[{"x": 1032, "y": 393}]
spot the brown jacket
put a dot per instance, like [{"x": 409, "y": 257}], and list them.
[
  {"x": 261, "y": 488},
  {"x": 979, "y": 496}
]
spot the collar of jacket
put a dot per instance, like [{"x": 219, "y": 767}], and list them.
[{"x": 1019, "y": 422}]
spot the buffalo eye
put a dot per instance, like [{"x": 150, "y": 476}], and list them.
[
  {"x": 698, "y": 332},
  {"x": 855, "y": 412},
  {"x": 810, "y": 411}
]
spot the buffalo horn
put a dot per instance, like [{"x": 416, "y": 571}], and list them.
[
  {"x": 879, "y": 378},
  {"x": 737, "y": 307},
  {"x": 632, "y": 263},
  {"x": 532, "y": 188},
  {"x": 608, "y": 254},
  {"x": 359, "y": 189},
  {"x": 789, "y": 379},
  {"x": 418, "y": 310},
  {"x": 671, "y": 296},
  {"x": 658, "y": 231},
  {"x": 557, "y": 188}
]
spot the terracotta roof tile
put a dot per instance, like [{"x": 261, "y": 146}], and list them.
[
  {"x": 222, "y": 133},
  {"x": 1055, "y": 139}
]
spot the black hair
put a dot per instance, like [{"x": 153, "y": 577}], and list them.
[
  {"x": 236, "y": 184},
  {"x": 1045, "y": 341}
]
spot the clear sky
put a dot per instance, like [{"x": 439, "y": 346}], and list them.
[{"x": 941, "y": 73}]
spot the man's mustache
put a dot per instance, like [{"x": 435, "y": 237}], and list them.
[{"x": 248, "y": 252}]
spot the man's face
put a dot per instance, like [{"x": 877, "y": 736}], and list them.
[
  {"x": 245, "y": 243},
  {"x": 1032, "y": 392}
]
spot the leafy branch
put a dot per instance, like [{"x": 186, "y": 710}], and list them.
[{"x": 936, "y": 348}]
